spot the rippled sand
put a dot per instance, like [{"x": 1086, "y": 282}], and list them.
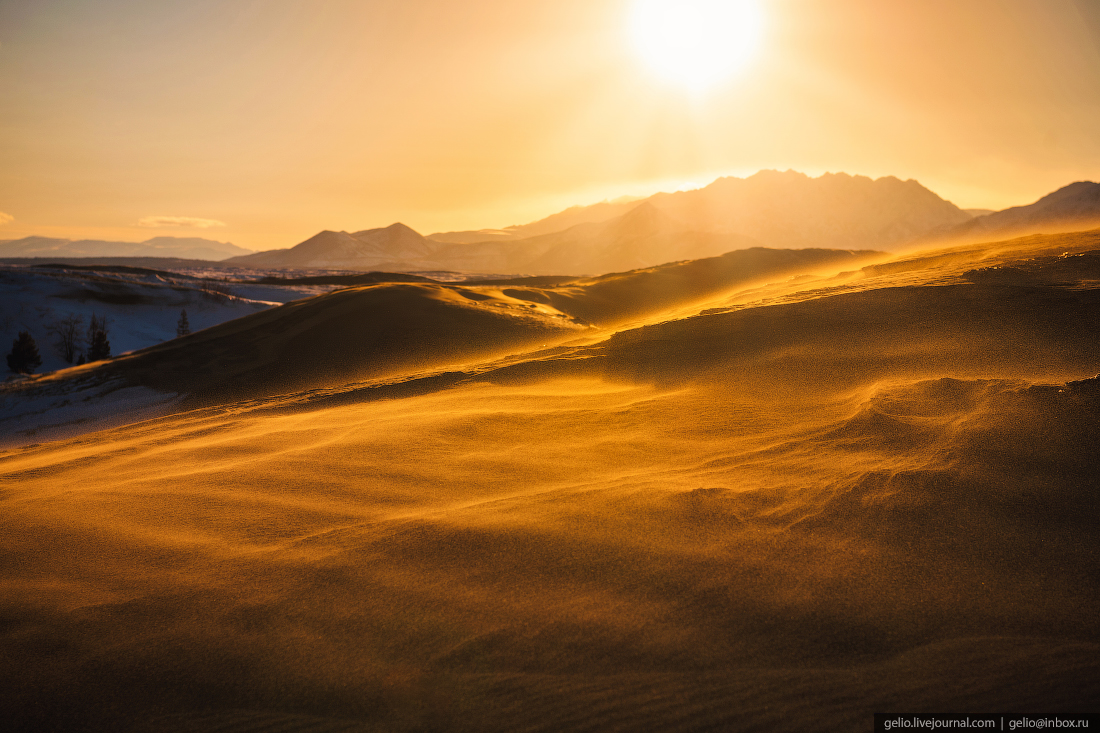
[{"x": 822, "y": 499}]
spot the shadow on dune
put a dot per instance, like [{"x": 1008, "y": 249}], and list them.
[
  {"x": 394, "y": 330},
  {"x": 346, "y": 336},
  {"x": 966, "y": 330}
]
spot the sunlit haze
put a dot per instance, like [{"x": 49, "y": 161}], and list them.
[
  {"x": 698, "y": 43},
  {"x": 264, "y": 123}
]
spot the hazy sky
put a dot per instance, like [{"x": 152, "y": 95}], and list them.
[{"x": 281, "y": 118}]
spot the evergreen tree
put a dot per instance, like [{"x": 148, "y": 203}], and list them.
[
  {"x": 24, "y": 358},
  {"x": 182, "y": 326},
  {"x": 98, "y": 345}
]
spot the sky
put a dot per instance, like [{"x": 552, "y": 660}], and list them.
[{"x": 262, "y": 122}]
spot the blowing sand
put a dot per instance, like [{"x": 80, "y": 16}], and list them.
[{"x": 787, "y": 510}]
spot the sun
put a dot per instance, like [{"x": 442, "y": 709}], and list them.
[{"x": 696, "y": 44}]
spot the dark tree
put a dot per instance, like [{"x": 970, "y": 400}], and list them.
[
  {"x": 98, "y": 345},
  {"x": 24, "y": 358},
  {"x": 182, "y": 326},
  {"x": 66, "y": 333}
]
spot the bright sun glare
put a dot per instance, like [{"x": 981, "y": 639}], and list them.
[{"x": 696, "y": 44}]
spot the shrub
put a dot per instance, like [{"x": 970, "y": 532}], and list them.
[{"x": 66, "y": 333}]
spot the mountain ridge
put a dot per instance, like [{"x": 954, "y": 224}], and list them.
[
  {"x": 193, "y": 248},
  {"x": 770, "y": 208},
  {"x": 332, "y": 249},
  {"x": 1071, "y": 208}
]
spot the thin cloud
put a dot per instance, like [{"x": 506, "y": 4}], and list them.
[
  {"x": 178, "y": 222},
  {"x": 6, "y": 218}
]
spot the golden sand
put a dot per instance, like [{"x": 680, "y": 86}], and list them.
[{"x": 794, "y": 504}]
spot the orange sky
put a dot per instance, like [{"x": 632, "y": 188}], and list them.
[{"x": 279, "y": 118}]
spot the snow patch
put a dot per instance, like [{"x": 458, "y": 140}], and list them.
[{"x": 36, "y": 414}]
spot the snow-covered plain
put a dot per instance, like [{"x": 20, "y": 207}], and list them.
[
  {"x": 62, "y": 409},
  {"x": 142, "y": 308}
]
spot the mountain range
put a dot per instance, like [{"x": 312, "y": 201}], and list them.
[
  {"x": 771, "y": 208},
  {"x": 192, "y": 248},
  {"x": 358, "y": 250},
  {"x": 1075, "y": 207}
]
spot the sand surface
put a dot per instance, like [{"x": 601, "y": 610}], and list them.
[{"x": 782, "y": 506}]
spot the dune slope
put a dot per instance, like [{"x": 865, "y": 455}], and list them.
[
  {"x": 394, "y": 330},
  {"x": 865, "y": 493},
  {"x": 373, "y": 331}
]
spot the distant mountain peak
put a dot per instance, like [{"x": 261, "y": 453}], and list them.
[
  {"x": 774, "y": 173},
  {"x": 1070, "y": 208},
  {"x": 347, "y": 250},
  {"x": 166, "y": 241},
  {"x": 1078, "y": 190},
  {"x": 193, "y": 248},
  {"x": 395, "y": 229},
  {"x": 773, "y": 208}
]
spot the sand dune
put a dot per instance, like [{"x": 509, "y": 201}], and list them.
[
  {"x": 792, "y": 506},
  {"x": 671, "y": 289},
  {"x": 394, "y": 330},
  {"x": 368, "y": 332}
]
